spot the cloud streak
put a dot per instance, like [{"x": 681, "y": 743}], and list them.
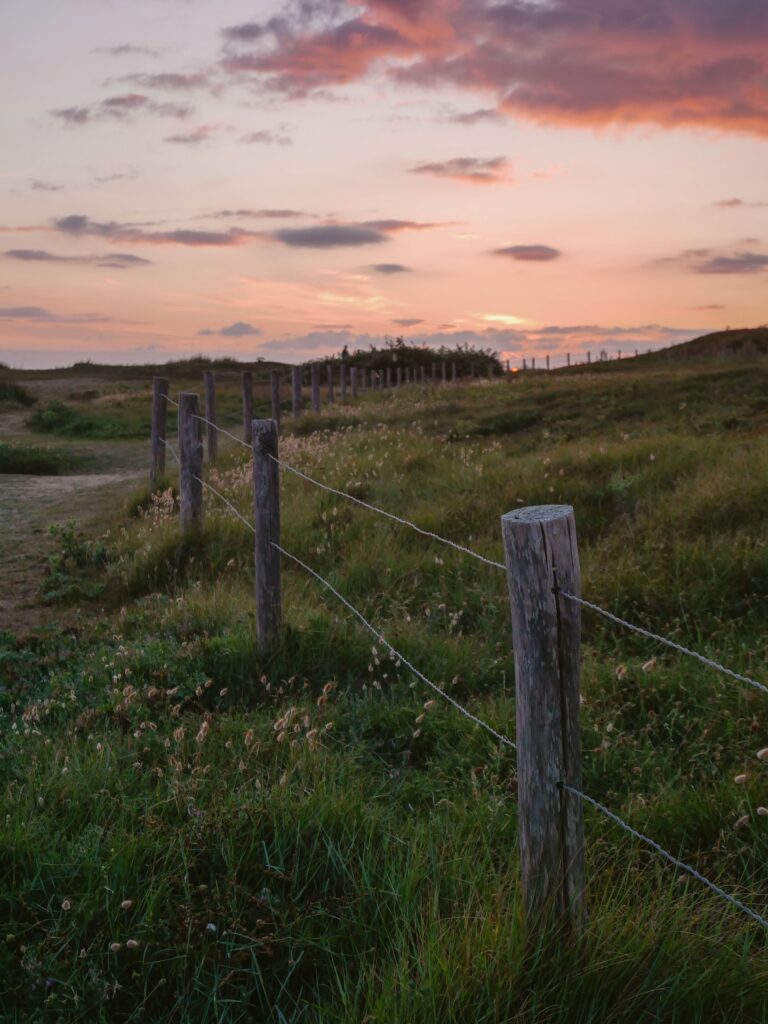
[
  {"x": 123, "y": 107},
  {"x": 112, "y": 260},
  {"x": 468, "y": 169},
  {"x": 529, "y": 253},
  {"x": 241, "y": 329}
]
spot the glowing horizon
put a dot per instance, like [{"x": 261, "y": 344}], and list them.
[{"x": 257, "y": 179}]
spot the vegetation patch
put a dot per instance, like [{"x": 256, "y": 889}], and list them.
[{"x": 22, "y": 458}]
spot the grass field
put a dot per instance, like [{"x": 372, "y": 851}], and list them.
[{"x": 192, "y": 831}]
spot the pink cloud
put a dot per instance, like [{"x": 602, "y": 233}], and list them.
[{"x": 672, "y": 63}]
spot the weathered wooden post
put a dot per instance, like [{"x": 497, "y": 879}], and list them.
[
  {"x": 398, "y": 376},
  {"x": 211, "y": 433},
  {"x": 247, "y": 379},
  {"x": 525, "y": 364},
  {"x": 353, "y": 381},
  {"x": 453, "y": 371},
  {"x": 423, "y": 374},
  {"x": 589, "y": 356},
  {"x": 547, "y": 362},
  {"x": 343, "y": 381},
  {"x": 542, "y": 556},
  {"x": 444, "y": 371},
  {"x": 567, "y": 358},
  {"x": 330, "y": 383},
  {"x": 190, "y": 463},
  {"x": 533, "y": 362},
  {"x": 159, "y": 419},
  {"x": 266, "y": 518},
  {"x": 316, "y": 388},
  {"x": 388, "y": 377},
  {"x": 274, "y": 379},
  {"x": 297, "y": 401}
]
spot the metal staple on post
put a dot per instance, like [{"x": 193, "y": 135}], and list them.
[
  {"x": 247, "y": 382},
  {"x": 541, "y": 555},
  {"x": 190, "y": 463},
  {"x": 266, "y": 510},
  {"x": 160, "y": 387}
]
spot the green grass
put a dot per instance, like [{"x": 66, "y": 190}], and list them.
[
  {"x": 299, "y": 837},
  {"x": 15, "y": 394},
  {"x": 24, "y": 458}
]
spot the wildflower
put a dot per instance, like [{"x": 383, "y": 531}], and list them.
[
  {"x": 132, "y": 944},
  {"x": 740, "y": 779},
  {"x": 762, "y": 755},
  {"x": 179, "y": 734},
  {"x": 762, "y": 811},
  {"x": 328, "y": 726},
  {"x": 649, "y": 665},
  {"x": 742, "y": 821},
  {"x": 211, "y": 927},
  {"x": 248, "y": 738},
  {"x": 115, "y": 947},
  {"x": 416, "y": 733},
  {"x": 223, "y": 691},
  {"x": 66, "y": 905},
  {"x": 126, "y": 904},
  {"x": 203, "y": 732},
  {"x": 621, "y": 671}
]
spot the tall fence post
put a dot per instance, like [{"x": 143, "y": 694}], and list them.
[
  {"x": 247, "y": 379},
  {"x": 159, "y": 419},
  {"x": 211, "y": 433},
  {"x": 343, "y": 381},
  {"x": 266, "y": 510},
  {"x": 444, "y": 371},
  {"x": 315, "y": 371},
  {"x": 274, "y": 379},
  {"x": 190, "y": 463},
  {"x": 297, "y": 400},
  {"x": 353, "y": 381},
  {"x": 542, "y": 556},
  {"x": 330, "y": 383}
]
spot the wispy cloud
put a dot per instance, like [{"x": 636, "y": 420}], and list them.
[
  {"x": 79, "y": 225},
  {"x": 119, "y": 108},
  {"x": 241, "y": 329},
  {"x": 735, "y": 203},
  {"x": 128, "y": 50},
  {"x": 195, "y": 136},
  {"x": 389, "y": 268},
  {"x": 44, "y": 186},
  {"x": 468, "y": 169},
  {"x": 168, "y": 81},
  {"x": 37, "y": 314},
  {"x": 529, "y": 253},
  {"x": 265, "y": 137},
  {"x": 712, "y": 261},
  {"x": 111, "y": 260}
]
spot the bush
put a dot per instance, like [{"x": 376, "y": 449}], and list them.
[
  {"x": 18, "y": 458},
  {"x": 11, "y": 392}
]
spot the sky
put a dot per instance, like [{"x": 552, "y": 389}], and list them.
[{"x": 277, "y": 180}]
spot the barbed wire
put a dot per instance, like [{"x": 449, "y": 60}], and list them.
[
  {"x": 663, "y": 640},
  {"x": 221, "y": 430},
  {"x": 170, "y": 449},
  {"x": 503, "y": 739},
  {"x": 383, "y": 640},
  {"x": 388, "y": 515},
  {"x": 169, "y": 399},
  {"x": 666, "y": 854}
]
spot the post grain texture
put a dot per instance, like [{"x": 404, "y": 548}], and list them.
[
  {"x": 190, "y": 463},
  {"x": 274, "y": 382},
  {"x": 316, "y": 388},
  {"x": 541, "y": 556},
  {"x": 296, "y": 396},
  {"x": 266, "y": 510},
  {"x": 247, "y": 381},
  {"x": 159, "y": 420},
  {"x": 211, "y": 433}
]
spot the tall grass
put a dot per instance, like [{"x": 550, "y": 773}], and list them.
[{"x": 193, "y": 829}]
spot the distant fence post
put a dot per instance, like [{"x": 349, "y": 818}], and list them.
[
  {"x": 567, "y": 358},
  {"x": 353, "y": 381},
  {"x": 343, "y": 381},
  {"x": 296, "y": 397},
  {"x": 315, "y": 388},
  {"x": 266, "y": 510},
  {"x": 190, "y": 463},
  {"x": 159, "y": 419},
  {"x": 444, "y": 371},
  {"x": 211, "y": 433},
  {"x": 541, "y": 556},
  {"x": 423, "y": 375},
  {"x": 247, "y": 379},
  {"x": 274, "y": 379},
  {"x": 453, "y": 370},
  {"x": 330, "y": 383}
]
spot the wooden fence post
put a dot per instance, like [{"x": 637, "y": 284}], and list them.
[
  {"x": 343, "y": 381},
  {"x": 266, "y": 512},
  {"x": 330, "y": 383},
  {"x": 159, "y": 419},
  {"x": 353, "y": 381},
  {"x": 445, "y": 372},
  {"x": 296, "y": 396},
  {"x": 423, "y": 375},
  {"x": 247, "y": 379},
  {"x": 453, "y": 371},
  {"x": 190, "y": 463},
  {"x": 567, "y": 358},
  {"x": 315, "y": 388},
  {"x": 274, "y": 380},
  {"x": 541, "y": 555},
  {"x": 211, "y": 433}
]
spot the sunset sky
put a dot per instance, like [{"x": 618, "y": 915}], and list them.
[{"x": 264, "y": 179}]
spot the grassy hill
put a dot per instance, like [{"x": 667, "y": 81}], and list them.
[
  {"x": 192, "y": 830},
  {"x": 746, "y": 342}
]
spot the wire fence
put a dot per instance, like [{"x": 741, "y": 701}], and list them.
[{"x": 503, "y": 739}]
